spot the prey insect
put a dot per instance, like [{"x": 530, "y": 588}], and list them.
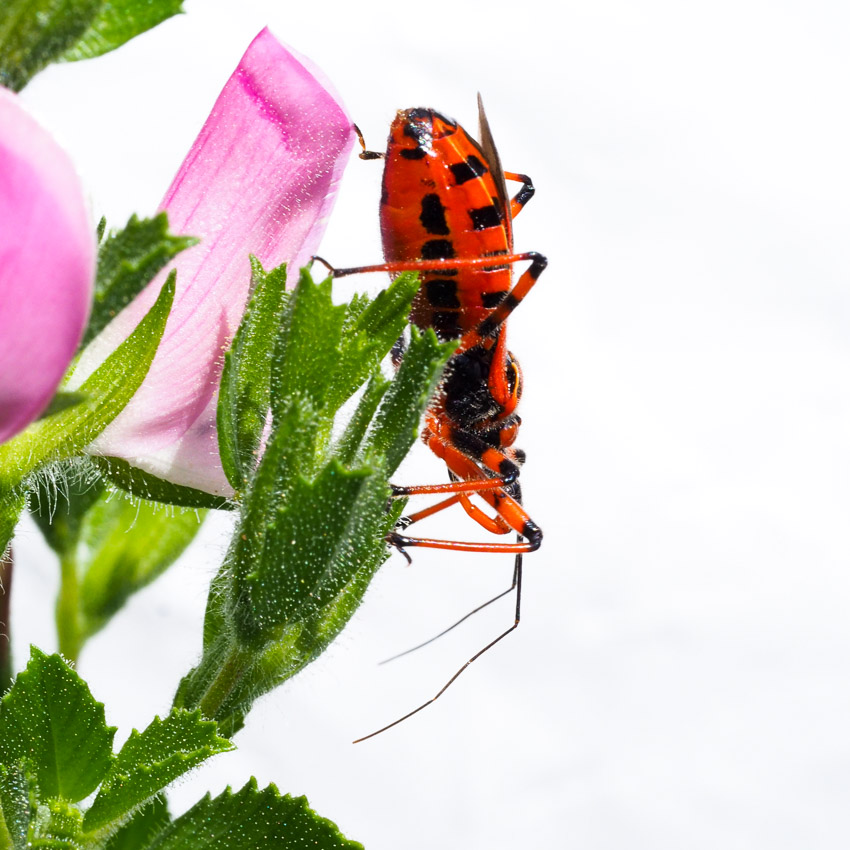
[{"x": 446, "y": 213}]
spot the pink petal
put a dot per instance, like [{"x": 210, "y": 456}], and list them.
[
  {"x": 46, "y": 266},
  {"x": 260, "y": 178}
]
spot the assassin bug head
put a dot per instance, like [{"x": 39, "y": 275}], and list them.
[{"x": 414, "y": 130}]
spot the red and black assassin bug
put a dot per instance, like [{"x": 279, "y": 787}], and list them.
[{"x": 446, "y": 213}]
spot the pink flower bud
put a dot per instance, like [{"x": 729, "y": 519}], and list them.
[
  {"x": 260, "y": 179},
  {"x": 46, "y": 265}
]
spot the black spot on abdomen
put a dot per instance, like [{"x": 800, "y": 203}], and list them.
[
  {"x": 433, "y": 215},
  {"x": 471, "y": 168}
]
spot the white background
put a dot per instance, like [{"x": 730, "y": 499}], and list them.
[{"x": 680, "y": 675}]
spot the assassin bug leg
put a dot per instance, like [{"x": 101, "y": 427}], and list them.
[
  {"x": 493, "y": 262},
  {"x": 496, "y": 524},
  {"x": 408, "y": 520},
  {"x": 509, "y": 303},
  {"x": 525, "y": 194},
  {"x": 400, "y": 549},
  {"x": 452, "y": 487},
  {"x": 463, "y": 619},
  {"x": 518, "y": 585},
  {"x": 531, "y": 544},
  {"x": 508, "y": 509}
]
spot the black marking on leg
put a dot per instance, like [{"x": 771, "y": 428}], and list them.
[
  {"x": 397, "y": 351},
  {"x": 488, "y": 327},
  {"x": 538, "y": 264},
  {"x": 400, "y": 542},
  {"x": 526, "y": 193},
  {"x": 533, "y": 534}
]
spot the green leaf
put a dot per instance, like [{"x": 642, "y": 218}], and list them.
[
  {"x": 250, "y": 819},
  {"x": 312, "y": 547},
  {"x": 15, "y": 806},
  {"x": 11, "y": 505},
  {"x": 232, "y": 679},
  {"x": 244, "y": 396},
  {"x": 60, "y": 510},
  {"x": 396, "y": 424},
  {"x": 57, "y": 825},
  {"x": 109, "y": 547},
  {"x": 308, "y": 350},
  {"x": 124, "y": 545},
  {"x": 348, "y": 445},
  {"x": 146, "y": 486},
  {"x": 290, "y": 452},
  {"x": 140, "y": 830},
  {"x": 108, "y": 389},
  {"x": 130, "y": 259},
  {"x": 369, "y": 339},
  {"x": 62, "y": 401},
  {"x": 34, "y": 33},
  {"x": 326, "y": 352},
  {"x": 50, "y": 718},
  {"x": 149, "y": 761},
  {"x": 117, "y": 22}
]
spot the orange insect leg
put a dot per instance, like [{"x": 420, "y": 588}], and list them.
[{"x": 524, "y": 195}]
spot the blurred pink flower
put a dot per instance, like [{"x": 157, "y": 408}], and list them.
[
  {"x": 47, "y": 250},
  {"x": 260, "y": 179}
]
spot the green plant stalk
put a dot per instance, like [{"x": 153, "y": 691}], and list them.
[
  {"x": 6, "y": 565},
  {"x": 68, "y": 623},
  {"x": 235, "y": 666}
]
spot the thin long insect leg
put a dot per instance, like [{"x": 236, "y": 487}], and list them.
[
  {"x": 518, "y": 568},
  {"x": 455, "y": 625},
  {"x": 537, "y": 260}
]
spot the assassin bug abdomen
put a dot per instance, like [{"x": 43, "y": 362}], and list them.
[{"x": 439, "y": 201}]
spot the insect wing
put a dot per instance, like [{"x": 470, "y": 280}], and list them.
[{"x": 491, "y": 155}]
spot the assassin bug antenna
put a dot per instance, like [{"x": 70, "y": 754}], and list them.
[
  {"x": 366, "y": 154},
  {"x": 446, "y": 213},
  {"x": 317, "y": 259}
]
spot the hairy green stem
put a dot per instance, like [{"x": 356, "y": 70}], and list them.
[
  {"x": 234, "y": 668},
  {"x": 6, "y": 565},
  {"x": 68, "y": 610}
]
